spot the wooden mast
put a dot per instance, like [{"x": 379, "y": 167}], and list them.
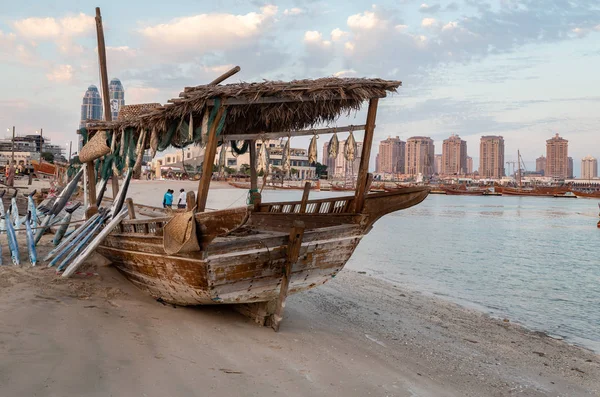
[
  {"x": 361, "y": 183},
  {"x": 107, "y": 114},
  {"x": 519, "y": 168}
]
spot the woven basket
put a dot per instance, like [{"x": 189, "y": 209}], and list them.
[
  {"x": 95, "y": 148},
  {"x": 179, "y": 234}
]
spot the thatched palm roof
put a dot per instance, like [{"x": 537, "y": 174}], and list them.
[{"x": 266, "y": 106}]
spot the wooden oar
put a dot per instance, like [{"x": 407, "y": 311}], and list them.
[
  {"x": 80, "y": 236},
  {"x": 90, "y": 248},
  {"x": 77, "y": 249},
  {"x": 73, "y": 235}
]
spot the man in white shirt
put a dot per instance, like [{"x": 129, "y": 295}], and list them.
[{"x": 181, "y": 201}]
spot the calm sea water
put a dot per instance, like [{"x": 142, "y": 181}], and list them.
[{"x": 530, "y": 259}]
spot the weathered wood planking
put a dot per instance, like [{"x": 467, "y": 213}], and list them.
[{"x": 244, "y": 251}]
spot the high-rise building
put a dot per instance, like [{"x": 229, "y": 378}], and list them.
[
  {"x": 91, "y": 108},
  {"x": 117, "y": 97},
  {"x": 540, "y": 164},
  {"x": 419, "y": 156},
  {"x": 557, "y": 154},
  {"x": 454, "y": 156},
  {"x": 491, "y": 157},
  {"x": 570, "y": 167},
  {"x": 589, "y": 167},
  {"x": 391, "y": 156},
  {"x": 437, "y": 164},
  {"x": 469, "y": 165}
]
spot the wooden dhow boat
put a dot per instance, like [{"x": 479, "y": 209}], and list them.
[{"x": 256, "y": 255}]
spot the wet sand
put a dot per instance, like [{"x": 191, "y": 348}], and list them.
[{"x": 97, "y": 335}]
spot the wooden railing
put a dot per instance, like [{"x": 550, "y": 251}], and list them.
[
  {"x": 144, "y": 226},
  {"x": 337, "y": 205}
]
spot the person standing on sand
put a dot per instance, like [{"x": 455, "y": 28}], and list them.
[
  {"x": 168, "y": 199},
  {"x": 182, "y": 199}
]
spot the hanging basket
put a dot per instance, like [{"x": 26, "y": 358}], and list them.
[
  {"x": 95, "y": 148},
  {"x": 180, "y": 234}
]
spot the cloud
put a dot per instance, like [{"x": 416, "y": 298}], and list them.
[
  {"x": 11, "y": 50},
  {"x": 452, "y": 7},
  {"x": 61, "y": 31},
  {"x": 317, "y": 49},
  {"x": 364, "y": 21},
  {"x": 338, "y": 34},
  {"x": 61, "y": 73},
  {"x": 196, "y": 35},
  {"x": 293, "y": 12},
  {"x": 345, "y": 73},
  {"x": 428, "y": 22},
  {"x": 378, "y": 42},
  {"x": 427, "y": 9}
]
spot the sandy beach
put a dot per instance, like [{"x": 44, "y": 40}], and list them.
[{"x": 97, "y": 335}]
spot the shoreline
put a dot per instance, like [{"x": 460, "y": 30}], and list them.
[
  {"x": 487, "y": 311},
  {"x": 96, "y": 334}
]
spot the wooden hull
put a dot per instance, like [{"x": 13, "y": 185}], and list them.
[
  {"x": 458, "y": 192},
  {"x": 538, "y": 192},
  {"x": 43, "y": 168},
  {"x": 246, "y": 266},
  {"x": 587, "y": 195}
]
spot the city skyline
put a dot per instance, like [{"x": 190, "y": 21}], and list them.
[
  {"x": 491, "y": 164},
  {"x": 467, "y": 72}
]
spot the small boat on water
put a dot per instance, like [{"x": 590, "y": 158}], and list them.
[
  {"x": 566, "y": 195},
  {"x": 491, "y": 193},
  {"x": 462, "y": 191}
]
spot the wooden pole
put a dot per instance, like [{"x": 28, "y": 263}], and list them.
[
  {"x": 293, "y": 252},
  {"x": 209, "y": 160},
  {"x": 107, "y": 114},
  {"x": 91, "y": 181},
  {"x": 361, "y": 182},
  {"x": 225, "y": 76},
  {"x": 12, "y": 160},
  {"x": 304, "y": 197},
  {"x": 130, "y": 208},
  {"x": 104, "y": 86},
  {"x": 253, "y": 174},
  {"x": 190, "y": 200}
]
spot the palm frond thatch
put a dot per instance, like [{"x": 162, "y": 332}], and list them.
[{"x": 260, "y": 107}]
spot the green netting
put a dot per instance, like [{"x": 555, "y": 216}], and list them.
[
  {"x": 106, "y": 171},
  {"x": 165, "y": 142},
  {"x": 84, "y": 134},
  {"x": 177, "y": 134},
  {"x": 241, "y": 150},
  {"x": 131, "y": 151}
]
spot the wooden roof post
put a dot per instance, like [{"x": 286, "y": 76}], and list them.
[
  {"x": 253, "y": 174},
  {"x": 209, "y": 161},
  {"x": 305, "y": 194},
  {"x": 361, "y": 183}
]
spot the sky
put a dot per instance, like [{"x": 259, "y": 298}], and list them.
[{"x": 521, "y": 69}]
